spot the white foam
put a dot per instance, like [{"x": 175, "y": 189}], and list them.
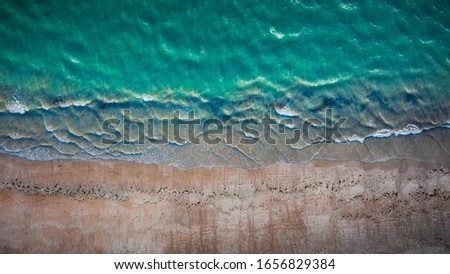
[
  {"x": 383, "y": 133},
  {"x": 61, "y": 138},
  {"x": 81, "y": 103},
  {"x": 320, "y": 82},
  {"x": 49, "y": 128},
  {"x": 285, "y": 111},
  {"x": 248, "y": 135},
  {"x": 409, "y": 129},
  {"x": 354, "y": 138},
  {"x": 290, "y": 126},
  {"x": 348, "y": 7},
  {"x": 74, "y": 60},
  {"x": 16, "y": 136},
  {"x": 276, "y": 33},
  {"x": 295, "y": 34},
  {"x": 148, "y": 98},
  {"x": 16, "y": 106}
]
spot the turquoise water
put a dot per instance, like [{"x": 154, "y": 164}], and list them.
[{"x": 65, "y": 67}]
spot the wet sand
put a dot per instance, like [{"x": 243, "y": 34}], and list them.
[{"x": 323, "y": 206}]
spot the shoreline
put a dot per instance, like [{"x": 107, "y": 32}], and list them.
[
  {"x": 428, "y": 146},
  {"x": 321, "y": 207}
]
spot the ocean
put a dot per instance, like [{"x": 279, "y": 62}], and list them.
[{"x": 76, "y": 75}]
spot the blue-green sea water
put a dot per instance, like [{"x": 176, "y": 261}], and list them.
[{"x": 66, "y": 66}]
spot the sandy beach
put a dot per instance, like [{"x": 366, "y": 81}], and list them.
[{"x": 323, "y": 206}]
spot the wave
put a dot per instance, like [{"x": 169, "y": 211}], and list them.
[
  {"x": 16, "y": 106},
  {"x": 409, "y": 129},
  {"x": 62, "y": 144}
]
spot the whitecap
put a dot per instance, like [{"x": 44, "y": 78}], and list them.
[
  {"x": 148, "y": 98},
  {"x": 16, "y": 106},
  {"x": 295, "y": 34},
  {"x": 74, "y": 60},
  {"x": 319, "y": 83},
  {"x": 276, "y": 33},
  {"x": 348, "y": 7}
]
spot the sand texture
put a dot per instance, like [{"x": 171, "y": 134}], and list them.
[{"x": 121, "y": 207}]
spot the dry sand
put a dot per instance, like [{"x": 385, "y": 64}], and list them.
[{"x": 121, "y": 207}]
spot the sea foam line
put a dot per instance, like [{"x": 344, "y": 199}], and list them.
[{"x": 409, "y": 129}]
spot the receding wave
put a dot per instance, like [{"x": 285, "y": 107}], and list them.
[{"x": 77, "y": 131}]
